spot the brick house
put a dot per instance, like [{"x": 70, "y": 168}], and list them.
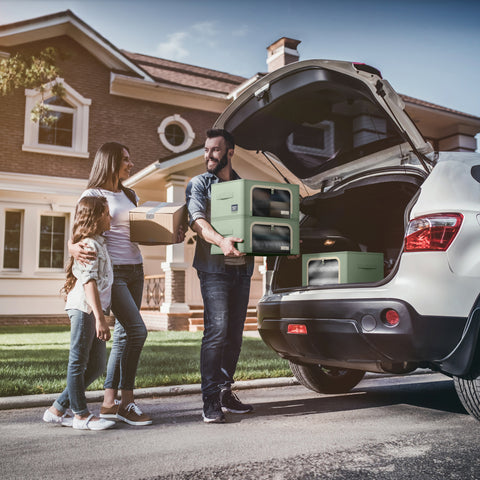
[{"x": 160, "y": 109}]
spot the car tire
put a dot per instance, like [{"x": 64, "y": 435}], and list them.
[
  {"x": 468, "y": 391},
  {"x": 326, "y": 379}
]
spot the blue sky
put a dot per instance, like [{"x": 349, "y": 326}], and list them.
[{"x": 428, "y": 49}]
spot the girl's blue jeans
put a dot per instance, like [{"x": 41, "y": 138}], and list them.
[
  {"x": 129, "y": 333},
  {"x": 86, "y": 362}
]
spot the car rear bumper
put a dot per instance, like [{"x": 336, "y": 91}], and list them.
[{"x": 353, "y": 334}]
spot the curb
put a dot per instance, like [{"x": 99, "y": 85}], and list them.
[{"x": 45, "y": 400}]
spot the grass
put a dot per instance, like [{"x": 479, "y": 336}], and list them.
[{"x": 34, "y": 360}]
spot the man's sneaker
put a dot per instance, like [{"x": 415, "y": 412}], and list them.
[
  {"x": 133, "y": 415},
  {"x": 110, "y": 412},
  {"x": 231, "y": 403},
  {"x": 212, "y": 411}
]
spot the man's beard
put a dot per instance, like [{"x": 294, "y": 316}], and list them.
[{"x": 221, "y": 164}]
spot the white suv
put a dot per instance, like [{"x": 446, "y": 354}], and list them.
[{"x": 373, "y": 185}]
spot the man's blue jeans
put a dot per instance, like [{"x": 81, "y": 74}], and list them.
[
  {"x": 225, "y": 300},
  {"x": 129, "y": 333},
  {"x": 86, "y": 362}
]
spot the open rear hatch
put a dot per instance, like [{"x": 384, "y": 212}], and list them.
[{"x": 326, "y": 121}]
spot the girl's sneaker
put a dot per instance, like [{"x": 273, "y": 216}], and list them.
[
  {"x": 133, "y": 415},
  {"x": 62, "y": 421}
]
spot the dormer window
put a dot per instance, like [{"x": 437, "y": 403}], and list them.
[
  {"x": 59, "y": 133},
  {"x": 68, "y": 135}
]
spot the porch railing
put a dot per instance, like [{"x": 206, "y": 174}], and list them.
[{"x": 154, "y": 292}]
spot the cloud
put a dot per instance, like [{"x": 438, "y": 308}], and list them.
[
  {"x": 205, "y": 28},
  {"x": 174, "y": 48},
  {"x": 241, "y": 31},
  {"x": 179, "y": 44}
]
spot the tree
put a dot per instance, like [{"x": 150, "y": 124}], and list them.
[{"x": 35, "y": 71}]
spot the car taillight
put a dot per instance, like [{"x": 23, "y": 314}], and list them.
[
  {"x": 391, "y": 317},
  {"x": 432, "y": 232},
  {"x": 297, "y": 329}
]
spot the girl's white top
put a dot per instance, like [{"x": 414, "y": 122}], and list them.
[
  {"x": 122, "y": 251},
  {"x": 99, "y": 270}
]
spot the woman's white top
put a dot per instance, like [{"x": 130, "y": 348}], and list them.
[
  {"x": 122, "y": 251},
  {"x": 99, "y": 270}
]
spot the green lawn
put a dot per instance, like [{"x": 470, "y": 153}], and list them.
[{"x": 34, "y": 360}]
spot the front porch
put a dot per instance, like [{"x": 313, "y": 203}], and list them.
[{"x": 155, "y": 319}]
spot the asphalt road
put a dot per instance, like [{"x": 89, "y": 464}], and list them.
[{"x": 397, "y": 428}]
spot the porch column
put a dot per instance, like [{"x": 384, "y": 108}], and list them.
[{"x": 174, "y": 311}]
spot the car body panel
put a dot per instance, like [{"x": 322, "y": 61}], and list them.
[{"x": 432, "y": 281}]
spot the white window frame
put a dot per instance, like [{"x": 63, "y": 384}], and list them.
[
  {"x": 184, "y": 125},
  {"x": 65, "y": 241},
  {"x": 80, "y": 109},
  {"x": 3, "y": 219},
  {"x": 326, "y": 126}
]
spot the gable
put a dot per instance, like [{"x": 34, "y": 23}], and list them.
[{"x": 68, "y": 24}]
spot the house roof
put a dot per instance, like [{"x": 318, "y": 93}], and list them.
[
  {"x": 67, "y": 23},
  {"x": 423, "y": 103},
  {"x": 176, "y": 73}
]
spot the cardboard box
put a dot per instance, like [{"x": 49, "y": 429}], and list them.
[
  {"x": 157, "y": 223},
  {"x": 341, "y": 267}
]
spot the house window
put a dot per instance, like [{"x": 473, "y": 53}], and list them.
[
  {"x": 69, "y": 134},
  {"x": 52, "y": 242},
  {"x": 12, "y": 238},
  {"x": 61, "y": 132},
  {"x": 175, "y": 133}
]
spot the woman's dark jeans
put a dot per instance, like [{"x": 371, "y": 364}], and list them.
[
  {"x": 129, "y": 333},
  {"x": 225, "y": 299}
]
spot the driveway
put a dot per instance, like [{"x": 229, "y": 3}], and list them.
[{"x": 387, "y": 428}]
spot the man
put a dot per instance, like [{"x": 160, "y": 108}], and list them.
[{"x": 224, "y": 283}]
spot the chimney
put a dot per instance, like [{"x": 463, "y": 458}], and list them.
[{"x": 282, "y": 52}]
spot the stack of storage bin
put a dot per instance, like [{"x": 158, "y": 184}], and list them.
[{"x": 264, "y": 214}]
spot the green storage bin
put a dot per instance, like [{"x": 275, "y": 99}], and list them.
[
  {"x": 254, "y": 198},
  {"x": 264, "y": 214},
  {"x": 262, "y": 236},
  {"x": 341, "y": 267}
]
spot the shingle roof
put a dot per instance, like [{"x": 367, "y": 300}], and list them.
[
  {"x": 423, "y": 103},
  {"x": 176, "y": 73}
]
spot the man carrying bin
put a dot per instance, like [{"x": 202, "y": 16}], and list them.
[{"x": 224, "y": 283}]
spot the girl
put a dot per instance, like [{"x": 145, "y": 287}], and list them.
[
  {"x": 110, "y": 168},
  {"x": 88, "y": 290}
]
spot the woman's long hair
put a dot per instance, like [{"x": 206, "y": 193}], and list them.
[
  {"x": 86, "y": 224},
  {"x": 106, "y": 166}
]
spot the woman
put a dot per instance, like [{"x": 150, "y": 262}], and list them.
[{"x": 110, "y": 168}]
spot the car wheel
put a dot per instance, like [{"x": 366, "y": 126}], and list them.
[
  {"x": 468, "y": 391},
  {"x": 326, "y": 379}
]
